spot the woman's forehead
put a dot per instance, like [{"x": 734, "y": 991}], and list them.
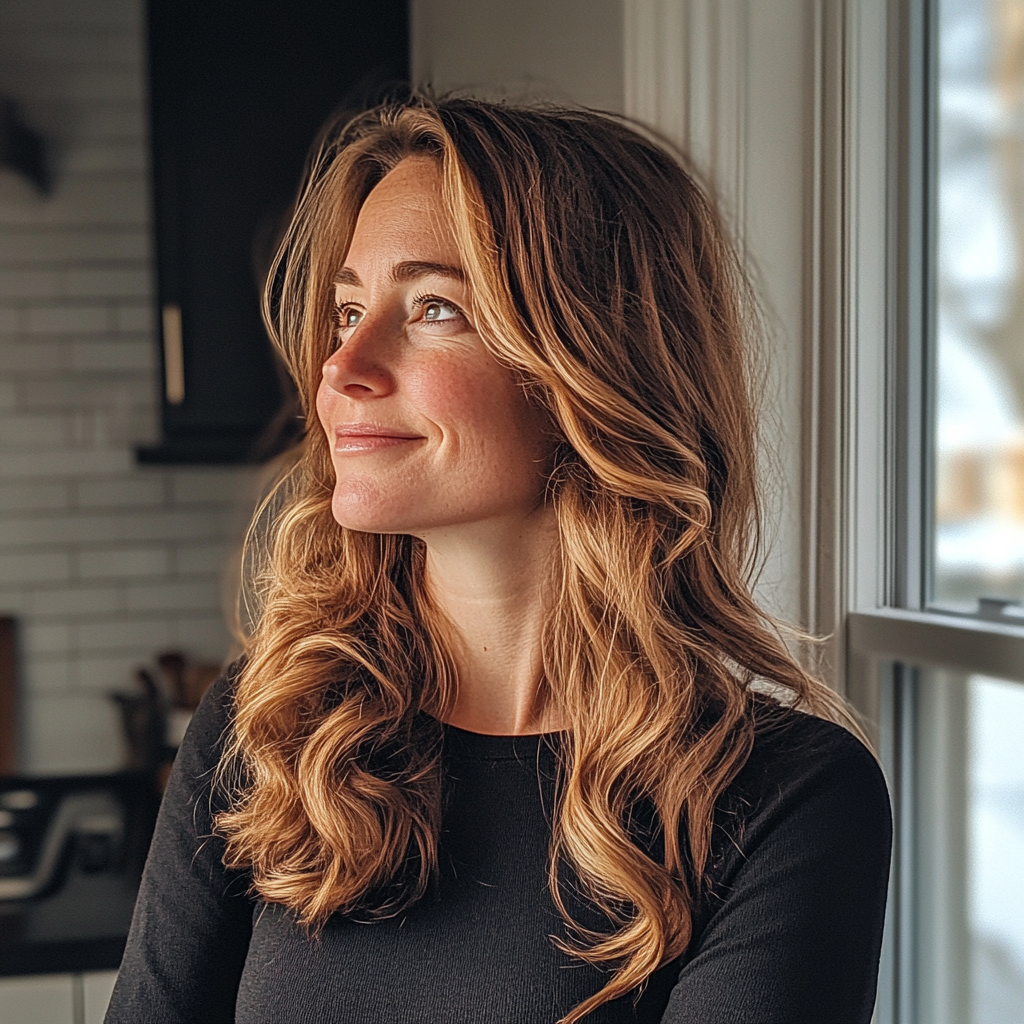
[
  {"x": 414, "y": 182},
  {"x": 403, "y": 219}
]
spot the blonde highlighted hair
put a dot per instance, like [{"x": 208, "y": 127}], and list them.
[{"x": 603, "y": 280}]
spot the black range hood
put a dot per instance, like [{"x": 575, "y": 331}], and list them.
[{"x": 237, "y": 95}]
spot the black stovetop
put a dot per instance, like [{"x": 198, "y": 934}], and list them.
[{"x": 73, "y": 851}]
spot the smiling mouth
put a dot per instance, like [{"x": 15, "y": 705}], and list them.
[{"x": 345, "y": 443}]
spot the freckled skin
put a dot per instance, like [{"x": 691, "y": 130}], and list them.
[
  {"x": 483, "y": 449},
  {"x": 472, "y": 484}
]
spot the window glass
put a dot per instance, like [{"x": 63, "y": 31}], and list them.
[
  {"x": 979, "y": 326},
  {"x": 970, "y": 840}
]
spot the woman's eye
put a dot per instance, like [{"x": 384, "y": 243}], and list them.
[
  {"x": 346, "y": 317},
  {"x": 435, "y": 312}
]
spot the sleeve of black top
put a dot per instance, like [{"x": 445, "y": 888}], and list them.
[
  {"x": 798, "y": 936},
  {"x": 190, "y": 931}
]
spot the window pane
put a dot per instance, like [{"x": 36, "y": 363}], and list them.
[
  {"x": 979, "y": 429},
  {"x": 970, "y": 841}
]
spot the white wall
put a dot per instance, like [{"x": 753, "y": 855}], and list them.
[
  {"x": 777, "y": 184},
  {"x": 104, "y": 563},
  {"x": 565, "y": 50}
]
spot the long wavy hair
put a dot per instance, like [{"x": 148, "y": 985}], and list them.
[{"x": 602, "y": 278}]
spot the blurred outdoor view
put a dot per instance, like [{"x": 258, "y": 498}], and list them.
[
  {"x": 995, "y": 849},
  {"x": 977, "y": 898},
  {"x": 979, "y": 501},
  {"x": 969, "y": 810}
]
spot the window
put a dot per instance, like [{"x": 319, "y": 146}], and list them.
[
  {"x": 896, "y": 268},
  {"x": 945, "y": 649}
]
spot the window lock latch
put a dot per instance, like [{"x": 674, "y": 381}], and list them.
[{"x": 999, "y": 609}]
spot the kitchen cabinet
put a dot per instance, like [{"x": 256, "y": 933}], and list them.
[{"x": 238, "y": 93}]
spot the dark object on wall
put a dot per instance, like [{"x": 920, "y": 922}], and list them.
[
  {"x": 22, "y": 149},
  {"x": 8, "y": 697},
  {"x": 237, "y": 95}
]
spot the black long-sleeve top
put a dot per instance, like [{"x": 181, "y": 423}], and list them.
[{"x": 789, "y": 931}]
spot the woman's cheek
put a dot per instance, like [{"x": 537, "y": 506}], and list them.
[
  {"x": 323, "y": 405},
  {"x": 452, "y": 393}
]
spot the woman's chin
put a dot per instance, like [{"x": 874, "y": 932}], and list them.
[{"x": 355, "y": 515}]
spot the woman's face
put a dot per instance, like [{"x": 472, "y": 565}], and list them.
[{"x": 408, "y": 361}]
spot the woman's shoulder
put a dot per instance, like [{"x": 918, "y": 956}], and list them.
[
  {"x": 790, "y": 745},
  {"x": 805, "y": 778}
]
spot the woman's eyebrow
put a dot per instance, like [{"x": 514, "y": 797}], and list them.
[
  {"x": 408, "y": 270},
  {"x": 412, "y": 269}
]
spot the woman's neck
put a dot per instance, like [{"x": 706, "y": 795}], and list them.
[{"x": 493, "y": 582}]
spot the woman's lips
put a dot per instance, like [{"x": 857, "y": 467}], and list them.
[{"x": 345, "y": 444}]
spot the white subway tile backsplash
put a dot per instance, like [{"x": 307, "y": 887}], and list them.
[
  {"x": 120, "y": 121},
  {"x": 71, "y": 601},
  {"x": 30, "y": 433},
  {"x": 132, "y": 318},
  {"x": 135, "y": 491},
  {"x": 138, "y": 354},
  {"x": 112, "y": 199},
  {"x": 56, "y": 319},
  {"x": 202, "y": 558},
  {"x": 60, "y": 391},
  {"x": 79, "y": 246},
  {"x": 34, "y": 567},
  {"x": 123, "y": 563},
  {"x": 68, "y": 528},
  {"x": 30, "y": 284},
  {"x": 63, "y": 44},
  {"x": 206, "y": 638},
  {"x": 198, "y": 524},
  {"x": 105, "y": 562},
  {"x": 218, "y": 486},
  {"x": 34, "y": 357},
  {"x": 167, "y": 596},
  {"x": 125, "y": 634},
  {"x": 25, "y": 495},
  {"x": 84, "y": 15},
  {"x": 45, "y": 638},
  {"x": 116, "y": 672},
  {"x": 49, "y": 675},
  {"x": 69, "y": 463},
  {"x": 14, "y": 600},
  {"x": 80, "y": 84},
  {"x": 73, "y": 734},
  {"x": 109, "y": 284}
]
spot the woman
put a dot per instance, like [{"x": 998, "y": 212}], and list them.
[{"x": 511, "y": 740}]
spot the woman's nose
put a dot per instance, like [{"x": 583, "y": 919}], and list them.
[{"x": 360, "y": 362}]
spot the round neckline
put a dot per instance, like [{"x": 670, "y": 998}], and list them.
[{"x": 483, "y": 746}]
